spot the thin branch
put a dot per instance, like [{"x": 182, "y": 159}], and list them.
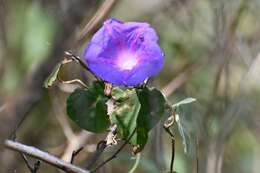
[
  {"x": 75, "y": 153},
  {"x": 236, "y": 18},
  {"x": 35, "y": 167},
  {"x": 99, "y": 16},
  {"x": 102, "y": 145},
  {"x": 116, "y": 153},
  {"x": 27, "y": 162},
  {"x": 179, "y": 80},
  {"x": 44, "y": 156},
  {"x": 167, "y": 127},
  {"x": 197, "y": 155},
  {"x": 137, "y": 160},
  {"x": 68, "y": 59},
  {"x": 13, "y": 133},
  {"x": 73, "y": 81},
  {"x": 73, "y": 57},
  {"x": 173, "y": 155},
  {"x": 76, "y": 58}
]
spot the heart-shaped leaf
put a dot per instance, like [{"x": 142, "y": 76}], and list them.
[
  {"x": 153, "y": 107},
  {"x": 87, "y": 108}
]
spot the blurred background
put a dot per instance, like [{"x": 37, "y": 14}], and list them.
[{"x": 212, "y": 53}]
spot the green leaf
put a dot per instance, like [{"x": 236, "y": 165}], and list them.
[
  {"x": 183, "y": 127},
  {"x": 52, "y": 77},
  {"x": 125, "y": 112},
  {"x": 185, "y": 101},
  {"x": 87, "y": 108},
  {"x": 184, "y": 134},
  {"x": 187, "y": 139},
  {"x": 153, "y": 106},
  {"x": 137, "y": 109}
]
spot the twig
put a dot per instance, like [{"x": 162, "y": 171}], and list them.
[
  {"x": 173, "y": 154},
  {"x": 44, "y": 156},
  {"x": 137, "y": 160},
  {"x": 243, "y": 6},
  {"x": 73, "y": 81},
  {"x": 102, "y": 145},
  {"x": 197, "y": 156},
  {"x": 36, "y": 166},
  {"x": 33, "y": 168},
  {"x": 115, "y": 154},
  {"x": 68, "y": 59},
  {"x": 99, "y": 16},
  {"x": 75, "y": 153},
  {"x": 167, "y": 125},
  {"x": 179, "y": 80},
  {"x": 13, "y": 133},
  {"x": 73, "y": 57},
  {"x": 26, "y": 162},
  {"x": 167, "y": 129}
]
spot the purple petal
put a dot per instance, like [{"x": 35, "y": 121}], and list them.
[{"x": 124, "y": 53}]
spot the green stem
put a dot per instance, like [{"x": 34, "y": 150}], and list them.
[{"x": 137, "y": 160}]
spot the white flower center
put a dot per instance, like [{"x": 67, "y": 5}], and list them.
[{"x": 127, "y": 61}]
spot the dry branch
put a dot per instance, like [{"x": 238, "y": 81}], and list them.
[
  {"x": 99, "y": 16},
  {"x": 181, "y": 79},
  {"x": 44, "y": 156}
]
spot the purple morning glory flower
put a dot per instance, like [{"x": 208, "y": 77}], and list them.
[{"x": 124, "y": 53}]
